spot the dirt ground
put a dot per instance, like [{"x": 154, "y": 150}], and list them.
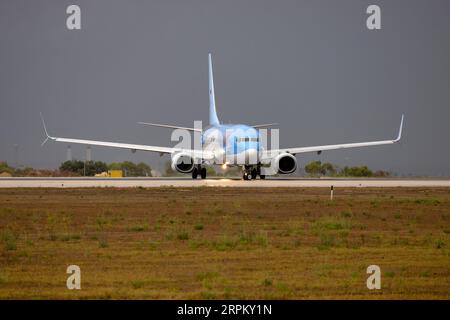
[{"x": 225, "y": 243}]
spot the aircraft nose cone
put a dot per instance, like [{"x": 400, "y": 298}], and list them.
[
  {"x": 219, "y": 155},
  {"x": 251, "y": 156}
]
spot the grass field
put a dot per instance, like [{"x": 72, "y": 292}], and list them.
[{"x": 225, "y": 243}]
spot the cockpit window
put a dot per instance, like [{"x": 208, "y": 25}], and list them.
[{"x": 248, "y": 139}]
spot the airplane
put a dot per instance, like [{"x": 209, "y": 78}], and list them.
[{"x": 221, "y": 142}]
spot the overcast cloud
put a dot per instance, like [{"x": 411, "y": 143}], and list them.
[{"x": 311, "y": 66}]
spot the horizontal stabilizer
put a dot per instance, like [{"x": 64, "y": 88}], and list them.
[
  {"x": 169, "y": 126},
  {"x": 265, "y": 125}
]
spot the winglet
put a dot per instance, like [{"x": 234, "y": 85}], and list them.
[
  {"x": 400, "y": 130},
  {"x": 213, "y": 120},
  {"x": 45, "y": 130}
]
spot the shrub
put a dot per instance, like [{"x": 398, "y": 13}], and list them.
[
  {"x": 361, "y": 171},
  {"x": 183, "y": 235},
  {"x": 138, "y": 228},
  {"x": 198, "y": 227},
  {"x": 346, "y": 214},
  {"x": 267, "y": 282},
  {"x": 103, "y": 243},
  {"x": 439, "y": 244}
]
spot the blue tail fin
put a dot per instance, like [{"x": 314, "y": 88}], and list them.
[{"x": 213, "y": 120}]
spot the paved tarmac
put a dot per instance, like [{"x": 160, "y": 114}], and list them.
[{"x": 215, "y": 182}]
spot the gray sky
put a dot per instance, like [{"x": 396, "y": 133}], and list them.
[{"x": 311, "y": 66}]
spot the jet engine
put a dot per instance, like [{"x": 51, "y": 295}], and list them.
[
  {"x": 284, "y": 163},
  {"x": 182, "y": 162}
]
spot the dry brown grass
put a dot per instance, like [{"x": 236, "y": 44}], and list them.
[{"x": 216, "y": 243}]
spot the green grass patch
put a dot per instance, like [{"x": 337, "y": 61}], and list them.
[
  {"x": 224, "y": 243},
  {"x": 198, "y": 243},
  {"x": 207, "y": 275},
  {"x": 183, "y": 235},
  {"x": 3, "y": 279},
  {"x": 282, "y": 287},
  {"x": 137, "y": 284},
  {"x": 439, "y": 244},
  {"x": 102, "y": 221},
  {"x": 425, "y": 274},
  {"x": 251, "y": 237},
  {"x": 346, "y": 214},
  {"x": 267, "y": 282},
  {"x": 103, "y": 242},
  {"x": 138, "y": 227},
  {"x": 67, "y": 236},
  {"x": 208, "y": 295},
  {"x": 429, "y": 202},
  {"x": 389, "y": 274},
  {"x": 330, "y": 223},
  {"x": 327, "y": 241},
  {"x": 9, "y": 240}
]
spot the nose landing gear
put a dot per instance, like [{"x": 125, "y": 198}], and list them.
[
  {"x": 249, "y": 173},
  {"x": 253, "y": 173}
]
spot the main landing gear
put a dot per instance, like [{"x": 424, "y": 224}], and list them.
[
  {"x": 250, "y": 173},
  {"x": 199, "y": 170}
]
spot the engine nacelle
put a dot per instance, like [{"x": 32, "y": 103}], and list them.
[
  {"x": 182, "y": 162},
  {"x": 284, "y": 163}
]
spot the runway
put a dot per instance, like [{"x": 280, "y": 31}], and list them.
[{"x": 216, "y": 182}]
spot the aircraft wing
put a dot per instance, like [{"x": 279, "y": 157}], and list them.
[
  {"x": 319, "y": 149},
  {"x": 133, "y": 147}
]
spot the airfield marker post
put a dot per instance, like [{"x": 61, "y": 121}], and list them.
[{"x": 331, "y": 193}]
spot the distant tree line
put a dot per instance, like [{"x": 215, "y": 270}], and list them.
[
  {"x": 81, "y": 168},
  {"x": 313, "y": 169},
  {"x": 317, "y": 169},
  {"x": 130, "y": 169},
  {"x": 7, "y": 170},
  {"x": 91, "y": 168}
]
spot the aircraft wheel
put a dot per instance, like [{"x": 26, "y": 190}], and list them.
[
  {"x": 245, "y": 176},
  {"x": 194, "y": 173},
  {"x": 254, "y": 173},
  {"x": 203, "y": 173},
  {"x": 262, "y": 176}
]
